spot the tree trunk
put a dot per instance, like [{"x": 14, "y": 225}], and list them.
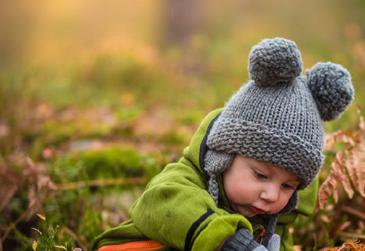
[{"x": 181, "y": 19}]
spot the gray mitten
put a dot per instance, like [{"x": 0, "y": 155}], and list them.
[
  {"x": 274, "y": 243},
  {"x": 242, "y": 240}
]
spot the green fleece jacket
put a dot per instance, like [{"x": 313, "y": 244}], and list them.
[{"x": 177, "y": 210}]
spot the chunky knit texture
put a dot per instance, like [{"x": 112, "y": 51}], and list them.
[
  {"x": 278, "y": 125},
  {"x": 277, "y": 116},
  {"x": 214, "y": 162},
  {"x": 241, "y": 240},
  {"x": 281, "y": 122},
  {"x": 329, "y": 85},
  {"x": 273, "y": 61}
]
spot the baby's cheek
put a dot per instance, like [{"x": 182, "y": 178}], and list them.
[
  {"x": 282, "y": 203},
  {"x": 277, "y": 208}
]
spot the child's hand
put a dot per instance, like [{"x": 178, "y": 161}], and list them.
[
  {"x": 242, "y": 240},
  {"x": 274, "y": 243}
]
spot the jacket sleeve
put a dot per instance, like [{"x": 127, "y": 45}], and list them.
[{"x": 176, "y": 209}]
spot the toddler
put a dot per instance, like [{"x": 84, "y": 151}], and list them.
[{"x": 237, "y": 182}]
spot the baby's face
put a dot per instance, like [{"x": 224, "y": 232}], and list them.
[{"x": 256, "y": 187}]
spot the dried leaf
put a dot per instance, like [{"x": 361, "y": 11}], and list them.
[
  {"x": 355, "y": 166},
  {"x": 356, "y": 160},
  {"x": 42, "y": 217},
  {"x": 347, "y": 168},
  {"x": 349, "y": 245},
  {"x": 352, "y": 245},
  {"x": 343, "y": 177},
  {"x": 340, "y": 136},
  {"x": 60, "y": 247},
  {"x": 39, "y": 185},
  {"x": 330, "y": 140},
  {"x": 345, "y": 225},
  {"x": 36, "y": 175},
  {"x": 34, "y": 204},
  {"x": 325, "y": 218},
  {"x": 9, "y": 184},
  {"x": 330, "y": 185},
  {"x": 297, "y": 248}
]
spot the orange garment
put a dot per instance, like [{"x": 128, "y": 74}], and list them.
[{"x": 146, "y": 245}]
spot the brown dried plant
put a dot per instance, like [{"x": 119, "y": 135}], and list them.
[
  {"x": 33, "y": 180},
  {"x": 347, "y": 246},
  {"x": 348, "y": 167}
]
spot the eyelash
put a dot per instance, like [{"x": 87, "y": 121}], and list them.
[
  {"x": 287, "y": 186},
  {"x": 261, "y": 176}
]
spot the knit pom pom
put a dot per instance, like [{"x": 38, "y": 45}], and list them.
[
  {"x": 331, "y": 88},
  {"x": 274, "y": 61}
]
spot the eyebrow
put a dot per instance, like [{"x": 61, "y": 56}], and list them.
[
  {"x": 294, "y": 180},
  {"x": 265, "y": 169},
  {"x": 263, "y": 165}
]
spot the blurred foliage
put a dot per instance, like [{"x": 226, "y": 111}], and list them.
[
  {"x": 339, "y": 215},
  {"x": 101, "y": 92},
  {"x": 110, "y": 162}
]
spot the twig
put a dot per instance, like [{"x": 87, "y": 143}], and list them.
[
  {"x": 74, "y": 235},
  {"x": 353, "y": 211},
  {"x": 101, "y": 182},
  {"x": 352, "y": 235},
  {"x": 12, "y": 225}
]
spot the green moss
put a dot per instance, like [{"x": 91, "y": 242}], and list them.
[
  {"x": 109, "y": 162},
  {"x": 128, "y": 115},
  {"x": 174, "y": 137},
  {"x": 56, "y": 132},
  {"x": 191, "y": 118}
]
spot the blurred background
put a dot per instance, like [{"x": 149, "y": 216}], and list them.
[{"x": 97, "y": 96}]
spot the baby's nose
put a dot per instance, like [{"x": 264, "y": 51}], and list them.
[{"x": 270, "y": 193}]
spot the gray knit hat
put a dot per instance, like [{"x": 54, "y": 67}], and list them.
[{"x": 277, "y": 116}]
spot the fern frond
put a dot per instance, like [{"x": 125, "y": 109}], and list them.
[
  {"x": 355, "y": 165},
  {"x": 347, "y": 168},
  {"x": 330, "y": 185}
]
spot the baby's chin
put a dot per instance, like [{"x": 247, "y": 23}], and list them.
[{"x": 249, "y": 212}]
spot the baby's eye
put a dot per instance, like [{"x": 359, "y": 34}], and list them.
[
  {"x": 288, "y": 186},
  {"x": 261, "y": 175}
]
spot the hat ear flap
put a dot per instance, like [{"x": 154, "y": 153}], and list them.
[{"x": 331, "y": 87}]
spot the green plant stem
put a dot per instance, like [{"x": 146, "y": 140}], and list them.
[
  {"x": 101, "y": 182},
  {"x": 74, "y": 235}
]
